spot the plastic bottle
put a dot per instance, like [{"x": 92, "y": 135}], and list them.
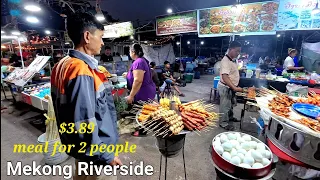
[{"x": 314, "y": 76}]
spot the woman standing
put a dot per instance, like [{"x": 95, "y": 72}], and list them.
[
  {"x": 139, "y": 80},
  {"x": 139, "y": 77},
  {"x": 288, "y": 64}
]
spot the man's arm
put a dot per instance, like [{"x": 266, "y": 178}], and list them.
[
  {"x": 228, "y": 82},
  {"x": 295, "y": 68},
  {"x": 82, "y": 96}
]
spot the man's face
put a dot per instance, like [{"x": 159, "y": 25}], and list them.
[
  {"x": 167, "y": 66},
  {"x": 234, "y": 52},
  {"x": 94, "y": 41},
  {"x": 107, "y": 52}
]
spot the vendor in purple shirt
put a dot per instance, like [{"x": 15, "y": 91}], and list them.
[{"x": 139, "y": 77}]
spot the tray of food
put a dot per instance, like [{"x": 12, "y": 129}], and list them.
[
  {"x": 165, "y": 120},
  {"x": 241, "y": 155}
]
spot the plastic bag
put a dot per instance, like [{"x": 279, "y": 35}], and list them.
[
  {"x": 303, "y": 173},
  {"x": 297, "y": 90}
]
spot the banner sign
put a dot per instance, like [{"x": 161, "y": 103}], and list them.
[
  {"x": 248, "y": 19},
  {"x": 297, "y": 15},
  {"x": 184, "y": 22},
  {"x": 118, "y": 30}
]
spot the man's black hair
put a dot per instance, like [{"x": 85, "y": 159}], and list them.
[
  {"x": 80, "y": 22},
  {"x": 107, "y": 47},
  {"x": 166, "y": 62},
  {"x": 234, "y": 44},
  {"x": 152, "y": 64}
]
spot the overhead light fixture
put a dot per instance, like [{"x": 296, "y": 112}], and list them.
[
  {"x": 278, "y": 35},
  {"x": 146, "y": 42},
  {"x": 2, "y": 32},
  {"x": 169, "y": 11},
  {"x": 17, "y": 33},
  {"x": 236, "y": 7},
  {"x": 32, "y": 7},
  {"x": 316, "y": 10},
  {"x": 100, "y": 17},
  {"x": 47, "y": 32},
  {"x": 178, "y": 43},
  {"x": 131, "y": 37},
  {"x": 3, "y": 47},
  {"x": 201, "y": 42},
  {"x": 188, "y": 42},
  {"x": 66, "y": 43},
  {"x": 32, "y": 19}
]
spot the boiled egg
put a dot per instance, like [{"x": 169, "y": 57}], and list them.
[
  {"x": 226, "y": 156},
  {"x": 245, "y": 145},
  {"x": 267, "y": 154},
  {"x": 253, "y": 144},
  {"x": 233, "y": 152},
  {"x": 227, "y": 146},
  {"x": 219, "y": 149},
  {"x": 246, "y": 137},
  {"x": 234, "y": 143},
  {"x": 265, "y": 161},
  {"x": 223, "y": 138},
  {"x": 261, "y": 146},
  {"x": 248, "y": 160},
  {"x": 242, "y": 151},
  {"x": 257, "y": 165},
  {"x": 241, "y": 156},
  {"x": 235, "y": 160},
  {"x": 244, "y": 165},
  {"x": 256, "y": 155},
  {"x": 231, "y": 136}
]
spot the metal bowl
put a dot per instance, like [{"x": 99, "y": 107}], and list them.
[{"x": 237, "y": 171}]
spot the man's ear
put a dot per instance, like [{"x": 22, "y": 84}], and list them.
[{"x": 86, "y": 37}]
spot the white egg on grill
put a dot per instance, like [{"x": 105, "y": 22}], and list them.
[
  {"x": 257, "y": 165},
  {"x": 223, "y": 138},
  {"x": 235, "y": 160},
  {"x": 244, "y": 165},
  {"x": 246, "y": 137},
  {"x": 265, "y": 161},
  {"x": 248, "y": 160},
  {"x": 219, "y": 149},
  {"x": 261, "y": 146},
  {"x": 226, "y": 156},
  {"x": 233, "y": 152},
  {"x": 227, "y": 146}
]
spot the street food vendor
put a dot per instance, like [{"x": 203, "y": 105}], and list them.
[
  {"x": 289, "y": 65},
  {"x": 228, "y": 85}
]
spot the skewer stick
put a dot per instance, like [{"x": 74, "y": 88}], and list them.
[
  {"x": 160, "y": 129},
  {"x": 197, "y": 133},
  {"x": 166, "y": 131}
]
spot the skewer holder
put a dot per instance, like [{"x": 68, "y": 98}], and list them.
[{"x": 294, "y": 142}]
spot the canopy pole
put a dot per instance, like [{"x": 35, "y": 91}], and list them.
[
  {"x": 195, "y": 48},
  {"x": 21, "y": 54}
]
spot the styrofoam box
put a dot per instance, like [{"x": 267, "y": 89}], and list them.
[
  {"x": 36, "y": 102},
  {"x": 45, "y": 104}
]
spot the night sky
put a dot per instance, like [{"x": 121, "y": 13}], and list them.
[{"x": 131, "y": 10}]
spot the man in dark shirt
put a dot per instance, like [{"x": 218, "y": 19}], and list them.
[
  {"x": 168, "y": 78},
  {"x": 106, "y": 56},
  {"x": 154, "y": 74}
]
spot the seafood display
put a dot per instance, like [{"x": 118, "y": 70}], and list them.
[
  {"x": 251, "y": 93},
  {"x": 312, "y": 124},
  {"x": 253, "y": 17}
]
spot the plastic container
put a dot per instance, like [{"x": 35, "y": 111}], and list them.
[
  {"x": 314, "y": 76},
  {"x": 197, "y": 75},
  {"x": 58, "y": 157},
  {"x": 215, "y": 82},
  {"x": 188, "y": 77},
  {"x": 249, "y": 73}
]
